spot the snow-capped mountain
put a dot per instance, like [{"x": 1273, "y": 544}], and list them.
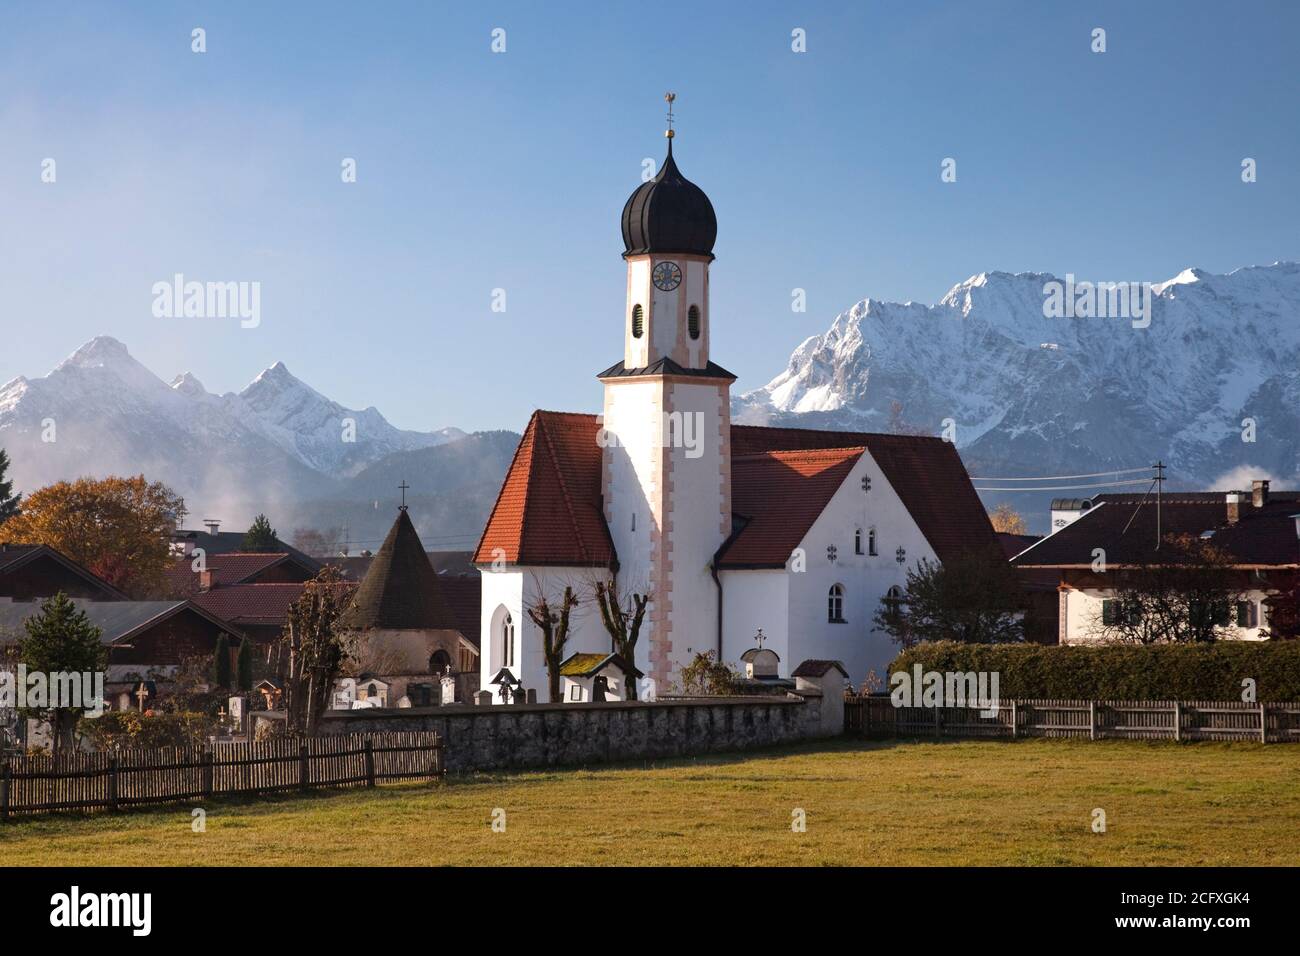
[
  {"x": 311, "y": 427},
  {"x": 1029, "y": 395},
  {"x": 100, "y": 411}
]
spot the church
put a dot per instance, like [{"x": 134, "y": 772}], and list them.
[{"x": 740, "y": 536}]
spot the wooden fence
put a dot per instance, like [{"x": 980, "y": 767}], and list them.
[
  {"x": 875, "y": 715},
  {"x": 88, "y": 781}
]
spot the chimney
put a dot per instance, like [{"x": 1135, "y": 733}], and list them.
[
  {"x": 1234, "y": 506},
  {"x": 205, "y": 580},
  {"x": 213, "y": 524},
  {"x": 1259, "y": 493}
]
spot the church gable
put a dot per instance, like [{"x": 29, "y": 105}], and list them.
[
  {"x": 548, "y": 511},
  {"x": 776, "y": 497},
  {"x": 926, "y": 472}
]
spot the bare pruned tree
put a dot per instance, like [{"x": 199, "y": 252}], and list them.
[
  {"x": 552, "y": 617},
  {"x": 622, "y": 615}
]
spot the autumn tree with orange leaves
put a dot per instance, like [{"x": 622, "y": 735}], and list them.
[{"x": 118, "y": 528}]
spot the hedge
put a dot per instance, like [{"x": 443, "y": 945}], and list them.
[{"x": 1122, "y": 672}]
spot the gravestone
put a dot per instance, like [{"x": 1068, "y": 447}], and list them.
[
  {"x": 449, "y": 690},
  {"x": 484, "y": 698}
]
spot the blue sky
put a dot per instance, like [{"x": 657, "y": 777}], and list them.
[{"x": 479, "y": 170}]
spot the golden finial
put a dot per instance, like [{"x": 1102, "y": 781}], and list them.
[{"x": 669, "y": 97}]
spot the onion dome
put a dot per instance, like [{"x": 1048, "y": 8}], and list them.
[{"x": 669, "y": 214}]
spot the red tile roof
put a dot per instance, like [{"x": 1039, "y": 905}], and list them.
[
  {"x": 925, "y": 472},
  {"x": 549, "y": 509},
  {"x": 779, "y": 494}
]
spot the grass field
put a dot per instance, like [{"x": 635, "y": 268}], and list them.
[{"x": 979, "y": 803}]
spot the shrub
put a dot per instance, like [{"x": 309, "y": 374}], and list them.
[
  {"x": 1124, "y": 672},
  {"x": 706, "y": 676},
  {"x": 128, "y": 728}
]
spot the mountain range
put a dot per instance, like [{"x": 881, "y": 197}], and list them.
[
  {"x": 1211, "y": 386},
  {"x": 277, "y": 446}
]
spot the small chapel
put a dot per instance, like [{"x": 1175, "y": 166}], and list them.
[{"x": 729, "y": 530}]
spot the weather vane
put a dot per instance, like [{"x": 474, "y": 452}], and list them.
[{"x": 669, "y": 97}]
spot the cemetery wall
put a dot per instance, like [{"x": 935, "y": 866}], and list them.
[{"x": 499, "y": 737}]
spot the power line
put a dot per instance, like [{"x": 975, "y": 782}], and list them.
[
  {"x": 1104, "y": 484},
  {"x": 1098, "y": 474}
]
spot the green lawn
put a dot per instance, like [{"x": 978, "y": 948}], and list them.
[{"x": 982, "y": 803}]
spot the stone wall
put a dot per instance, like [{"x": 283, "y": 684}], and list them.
[{"x": 556, "y": 735}]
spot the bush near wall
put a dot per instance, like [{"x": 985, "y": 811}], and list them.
[
  {"x": 129, "y": 728},
  {"x": 1122, "y": 672}
]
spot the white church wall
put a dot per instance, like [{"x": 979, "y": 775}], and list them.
[
  {"x": 631, "y": 426},
  {"x": 696, "y": 284},
  {"x": 500, "y": 589},
  {"x": 752, "y": 600},
  {"x": 865, "y": 578},
  {"x": 695, "y": 525},
  {"x": 637, "y": 350},
  {"x": 520, "y": 587}
]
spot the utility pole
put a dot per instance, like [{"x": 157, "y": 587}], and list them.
[{"x": 1159, "y": 466}]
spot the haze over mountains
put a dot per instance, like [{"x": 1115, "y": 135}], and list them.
[
  {"x": 1027, "y": 396},
  {"x": 277, "y": 446},
  {"x": 1031, "y": 396}
]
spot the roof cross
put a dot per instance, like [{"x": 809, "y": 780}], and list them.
[
  {"x": 404, "y": 486},
  {"x": 669, "y": 97}
]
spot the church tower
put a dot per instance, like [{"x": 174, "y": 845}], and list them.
[{"x": 667, "y": 423}]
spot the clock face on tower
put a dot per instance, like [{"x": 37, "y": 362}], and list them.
[{"x": 667, "y": 276}]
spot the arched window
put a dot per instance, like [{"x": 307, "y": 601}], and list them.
[
  {"x": 372, "y": 690},
  {"x": 871, "y": 541},
  {"x": 638, "y": 321},
  {"x": 439, "y": 662},
  {"x": 835, "y": 604},
  {"x": 508, "y": 641},
  {"x": 857, "y": 541},
  {"x": 693, "y": 321},
  {"x": 501, "y": 646}
]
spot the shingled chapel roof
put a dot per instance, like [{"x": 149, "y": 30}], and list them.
[{"x": 401, "y": 590}]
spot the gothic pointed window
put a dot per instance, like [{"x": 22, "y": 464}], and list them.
[
  {"x": 638, "y": 321},
  {"x": 835, "y": 604},
  {"x": 503, "y": 638},
  {"x": 871, "y": 541},
  {"x": 693, "y": 321}
]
